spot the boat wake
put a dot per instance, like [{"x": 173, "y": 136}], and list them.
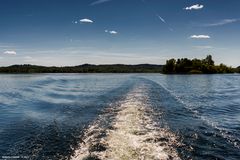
[{"x": 128, "y": 131}]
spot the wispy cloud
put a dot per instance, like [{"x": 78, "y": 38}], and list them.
[
  {"x": 81, "y": 55},
  {"x": 99, "y": 2},
  {"x": 222, "y": 22},
  {"x": 200, "y": 37},
  {"x": 86, "y": 20},
  {"x": 10, "y": 52},
  {"x": 29, "y": 59},
  {"x": 111, "y": 32},
  {"x": 203, "y": 47},
  {"x": 206, "y": 47},
  {"x": 194, "y": 7},
  {"x": 7, "y": 45}
]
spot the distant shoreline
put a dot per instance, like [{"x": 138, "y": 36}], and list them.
[
  {"x": 85, "y": 68},
  {"x": 90, "y": 68}
]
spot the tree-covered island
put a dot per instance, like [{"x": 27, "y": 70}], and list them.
[{"x": 196, "y": 66}]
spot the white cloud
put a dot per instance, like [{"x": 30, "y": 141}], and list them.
[
  {"x": 99, "y": 2},
  {"x": 10, "y": 52},
  {"x": 200, "y": 37},
  {"x": 222, "y": 22},
  {"x": 195, "y": 7},
  {"x": 111, "y": 32},
  {"x": 163, "y": 20},
  {"x": 86, "y": 20}
]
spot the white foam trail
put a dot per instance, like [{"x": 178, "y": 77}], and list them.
[{"x": 134, "y": 135}]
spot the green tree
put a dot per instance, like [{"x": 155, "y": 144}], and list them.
[
  {"x": 208, "y": 60},
  {"x": 170, "y": 66}
]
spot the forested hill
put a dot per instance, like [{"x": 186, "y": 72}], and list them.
[{"x": 86, "y": 68}]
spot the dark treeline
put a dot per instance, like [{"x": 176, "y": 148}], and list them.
[
  {"x": 238, "y": 69},
  {"x": 86, "y": 68},
  {"x": 196, "y": 66}
]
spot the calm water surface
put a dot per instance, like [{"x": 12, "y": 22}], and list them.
[{"x": 67, "y": 116}]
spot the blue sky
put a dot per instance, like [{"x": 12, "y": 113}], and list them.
[{"x": 73, "y": 32}]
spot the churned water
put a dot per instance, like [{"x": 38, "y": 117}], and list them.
[{"x": 120, "y": 116}]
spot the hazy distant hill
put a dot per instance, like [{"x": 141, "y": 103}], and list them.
[{"x": 85, "y": 68}]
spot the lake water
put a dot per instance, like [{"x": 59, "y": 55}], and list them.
[{"x": 120, "y": 116}]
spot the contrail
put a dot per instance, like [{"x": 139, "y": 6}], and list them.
[{"x": 161, "y": 19}]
